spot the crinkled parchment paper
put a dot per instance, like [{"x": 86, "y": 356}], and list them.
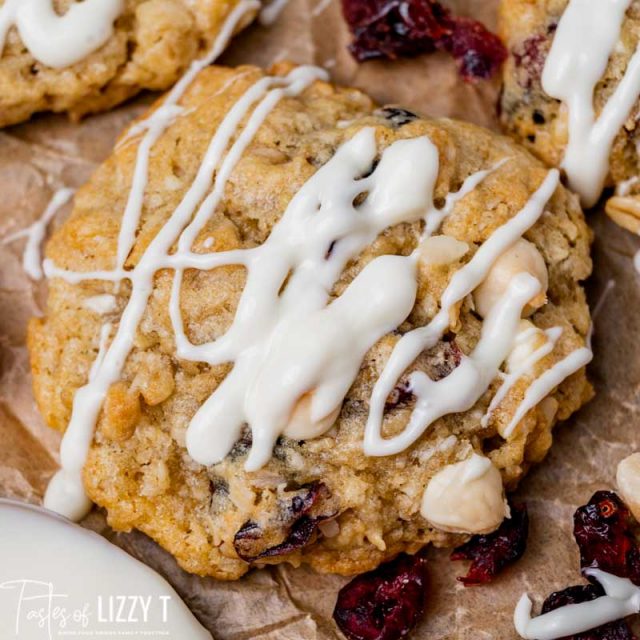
[{"x": 282, "y": 603}]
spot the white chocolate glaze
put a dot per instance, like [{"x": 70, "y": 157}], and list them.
[
  {"x": 286, "y": 345},
  {"x": 65, "y": 493},
  {"x": 31, "y": 257},
  {"x": 51, "y": 564},
  {"x": 524, "y": 368},
  {"x": 88, "y": 399},
  {"x": 622, "y": 599},
  {"x": 59, "y": 41},
  {"x": 460, "y": 390},
  {"x": 587, "y": 35},
  {"x": 160, "y": 120},
  {"x": 466, "y": 497},
  {"x": 541, "y": 387}
]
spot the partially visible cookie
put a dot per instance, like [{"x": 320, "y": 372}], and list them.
[
  {"x": 148, "y": 45},
  {"x": 546, "y": 41},
  {"x": 322, "y": 496}
]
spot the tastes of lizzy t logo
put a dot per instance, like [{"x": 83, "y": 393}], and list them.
[{"x": 35, "y": 610}]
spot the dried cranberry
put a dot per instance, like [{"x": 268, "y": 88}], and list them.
[
  {"x": 602, "y": 529},
  {"x": 618, "y": 630},
  {"x": 384, "y": 604},
  {"x": 394, "y": 28},
  {"x": 292, "y": 528},
  {"x": 530, "y": 56},
  {"x": 400, "y": 396},
  {"x": 479, "y": 52},
  {"x": 491, "y": 553}
]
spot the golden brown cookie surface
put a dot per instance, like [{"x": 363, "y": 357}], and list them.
[
  {"x": 153, "y": 43},
  {"x": 362, "y": 509}
]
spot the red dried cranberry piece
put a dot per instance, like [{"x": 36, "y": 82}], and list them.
[
  {"x": 479, "y": 52},
  {"x": 394, "y": 28},
  {"x": 530, "y": 55},
  {"x": 384, "y": 604},
  {"x": 297, "y": 523},
  {"x": 602, "y": 529},
  {"x": 618, "y": 630},
  {"x": 491, "y": 553},
  {"x": 400, "y": 396}
]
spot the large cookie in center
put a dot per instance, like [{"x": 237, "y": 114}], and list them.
[{"x": 320, "y": 501}]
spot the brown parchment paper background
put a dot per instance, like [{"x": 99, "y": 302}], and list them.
[{"x": 286, "y": 603}]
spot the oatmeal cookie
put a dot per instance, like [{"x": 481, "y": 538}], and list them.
[
  {"x": 532, "y": 29},
  {"x": 318, "y": 499},
  {"x": 152, "y": 42}
]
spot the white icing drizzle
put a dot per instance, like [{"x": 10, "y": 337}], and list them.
[
  {"x": 299, "y": 341},
  {"x": 622, "y": 599},
  {"x": 553, "y": 335},
  {"x": 65, "y": 493},
  {"x": 587, "y": 35},
  {"x": 101, "y": 304},
  {"x": 461, "y": 389},
  {"x": 31, "y": 258},
  {"x": 88, "y": 399},
  {"x": 160, "y": 120},
  {"x": 541, "y": 387},
  {"x": 636, "y": 261},
  {"x": 59, "y": 41},
  {"x": 39, "y": 550}
]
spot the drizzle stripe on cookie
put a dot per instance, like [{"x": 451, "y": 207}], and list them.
[
  {"x": 553, "y": 335},
  {"x": 544, "y": 385},
  {"x": 474, "y": 374},
  {"x": 587, "y": 35}
]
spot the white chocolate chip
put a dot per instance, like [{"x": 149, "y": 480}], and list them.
[
  {"x": 466, "y": 497},
  {"x": 440, "y": 250},
  {"x": 302, "y": 427},
  {"x": 628, "y": 480},
  {"x": 523, "y": 256}
]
